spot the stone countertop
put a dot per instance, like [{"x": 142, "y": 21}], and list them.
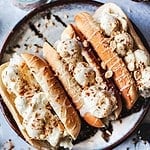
[{"x": 9, "y": 16}]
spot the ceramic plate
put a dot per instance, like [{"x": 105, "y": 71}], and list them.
[{"x": 46, "y": 24}]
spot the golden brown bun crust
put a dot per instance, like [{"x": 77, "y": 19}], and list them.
[
  {"x": 49, "y": 84},
  {"x": 9, "y": 101},
  {"x": 90, "y": 29},
  {"x": 68, "y": 115}
]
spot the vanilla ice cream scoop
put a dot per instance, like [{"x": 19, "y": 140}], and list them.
[
  {"x": 98, "y": 102},
  {"x": 84, "y": 74},
  {"x": 130, "y": 61},
  {"x": 139, "y": 62},
  {"x": 145, "y": 82},
  {"x": 142, "y": 58},
  {"x": 38, "y": 120},
  {"x": 108, "y": 23},
  {"x": 10, "y": 78},
  {"x": 10, "y": 75},
  {"x": 68, "y": 47},
  {"x": 70, "y": 51},
  {"x": 124, "y": 42}
]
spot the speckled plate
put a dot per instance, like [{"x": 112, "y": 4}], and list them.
[{"x": 46, "y": 24}]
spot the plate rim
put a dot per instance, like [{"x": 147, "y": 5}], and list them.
[{"x": 34, "y": 12}]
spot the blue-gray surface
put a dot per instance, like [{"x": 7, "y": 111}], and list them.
[{"x": 139, "y": 13}]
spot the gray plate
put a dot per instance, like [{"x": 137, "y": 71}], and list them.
[{"x": 46, "y": 24}]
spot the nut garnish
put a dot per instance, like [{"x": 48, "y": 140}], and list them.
[
  {"x": 108, "y": 74},
  {"x": 103, "y": 65},
  {"x": 85, "y": 43}
]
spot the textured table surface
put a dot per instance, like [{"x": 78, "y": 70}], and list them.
[{"x": 139, "y": 13}]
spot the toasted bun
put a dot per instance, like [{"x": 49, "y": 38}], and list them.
[
  {"x": 71, "y": 86},
  {"x": 91, "y": 30},
  {"x": 68, "y": 81},
  {"x": 58, "y": 99},
  {"x": 141, "y": 80},
  {"x": 8, "y": 99},
  {"x": 89, "y": 56}
]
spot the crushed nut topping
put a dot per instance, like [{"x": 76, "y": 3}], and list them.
[{"x": 108, "y": 74}]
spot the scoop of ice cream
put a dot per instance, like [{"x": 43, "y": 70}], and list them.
[
  {"x": 142, "y": 58},
  {"x": 98, "y": 102},
  {"x": 68, "y": 48},
  {"x": 146, "y": 76},
  {"x": 108, "y": 23},
  {"x": 84, "y": 74},
  {"x": 10, "y": 77},
  {"x": 16, "y": 60},
  {"x": 70, "y": 51},
  {"x": 145, "y": 82},
  {"x": 124, "y": 42},
  {"x": 130, "y": 61},
  {"x": 38, "y": 120},
  {"x": 21, "y": 104}
]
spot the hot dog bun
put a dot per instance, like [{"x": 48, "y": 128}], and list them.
[
  {"x": 71, "y": 86},
  {"x": 122, "y": 77},
  {"x": 66, "y": 119},
  {"x": 8, "y": 99},
  {"x": 136, "y": 56},
  {"x": 90, "y": 57}
]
